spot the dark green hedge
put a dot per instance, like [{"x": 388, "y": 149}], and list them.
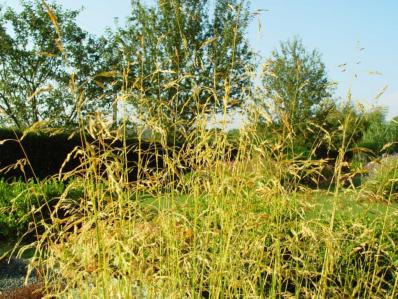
[{"x": 46, "y": 154}]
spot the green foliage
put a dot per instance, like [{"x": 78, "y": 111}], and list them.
[
  {"x": 43, "y": 59},
  {"x": 233, "y": 136},
  {"x": 297, "y": 89},
  {"x": 345, "y": 123},
  {"x": 19, "y": 203},
  {"x": 185, "y": 59},
  {"x": 246, "y": 229},
  {"x": 381, "y": 136},
  {"x": 382, "y": 183}
]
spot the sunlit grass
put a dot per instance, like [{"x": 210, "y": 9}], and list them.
[
  {"x": 208, "y": 222},
  {"x": 226, "y": 231}
]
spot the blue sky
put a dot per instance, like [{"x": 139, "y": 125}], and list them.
[{"x": 338, "y": 29}]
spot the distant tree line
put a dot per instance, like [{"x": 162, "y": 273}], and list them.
[
  {"x": 172, "y": 61},
  {"x": 179, "y": 55}
]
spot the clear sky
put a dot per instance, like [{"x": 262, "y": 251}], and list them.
[{"x": 338, "y": 29}]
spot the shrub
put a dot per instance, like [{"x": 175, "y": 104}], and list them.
[
  {"x": 381, "y": 137},
  {"x": 382, "y": 181},
  {"x": 18, "y": 199}
]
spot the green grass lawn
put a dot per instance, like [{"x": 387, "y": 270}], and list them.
[
  {"x": 348, "y": 206},
  {"x": 317, "y": 205}
]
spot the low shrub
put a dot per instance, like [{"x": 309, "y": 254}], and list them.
[
  {"x": 18, "y": 200},
  {"x": 382, "y": 180}
]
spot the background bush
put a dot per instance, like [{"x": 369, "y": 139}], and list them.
[
  {"x": 18, "y": 199},
  {"x": 382, "y": 183}
]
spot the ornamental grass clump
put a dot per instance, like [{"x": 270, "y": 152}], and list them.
[
  {"x": 214, "y": 219},
  {"x": 206, "y": 225}
]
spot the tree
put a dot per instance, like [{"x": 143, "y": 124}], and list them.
[
  {"x": 47, "y": 66},
  {"x": 186, "y": 59},
  {"x": 296, "y": 83}
]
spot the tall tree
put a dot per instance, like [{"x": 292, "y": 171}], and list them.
[
  {"x": 296, "y": 83},
  {"x": 46, "y": 62},
  {"x": 187, "y": 59}
]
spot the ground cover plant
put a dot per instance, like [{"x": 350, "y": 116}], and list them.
[
  {"x": 16, "y": 201},
  {"x": 211, "y": 214}
]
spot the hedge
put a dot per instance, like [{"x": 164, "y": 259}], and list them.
[{"x": 47, "y": 153}]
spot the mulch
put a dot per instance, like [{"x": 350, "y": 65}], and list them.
[
  {"x": 12, "y": 278},
  {"x": 33, "y": 291}
]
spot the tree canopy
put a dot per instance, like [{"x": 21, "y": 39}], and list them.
[
  {"x": 297, "y": 86},
  {"x": 46, "y": 62},
  {"x": 187, "y": 57}
]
